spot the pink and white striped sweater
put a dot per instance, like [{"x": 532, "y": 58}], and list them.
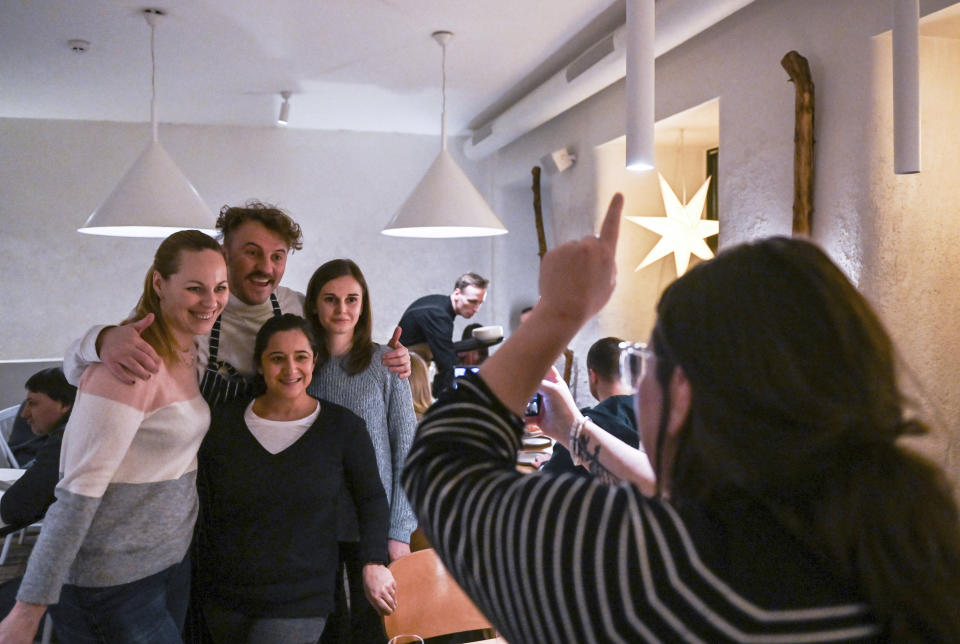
[{"x": 127, "y": 499}]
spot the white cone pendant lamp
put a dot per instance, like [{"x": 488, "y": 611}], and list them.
[
  {"x": 154, "y": 198},
  {"x": 444, "y": 203}
]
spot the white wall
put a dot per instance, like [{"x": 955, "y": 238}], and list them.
[
  {"x": 342, "y": 187},
  {"x": 896, "y": 236},
  {"x": 912, "y": 238}
]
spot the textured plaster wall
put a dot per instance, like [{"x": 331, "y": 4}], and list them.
[
  {"x": 342, "y": 187},
  {"x": 912, "y": 238},
  {"x": 905, "y": 263}
]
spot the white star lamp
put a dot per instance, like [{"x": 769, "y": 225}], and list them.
[{"x": 683, "y": 231}]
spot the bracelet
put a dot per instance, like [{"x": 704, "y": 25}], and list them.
[{"x": 575, "y": 430}]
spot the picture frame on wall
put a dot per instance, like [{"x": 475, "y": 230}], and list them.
[{"x": 711, "y": 206}]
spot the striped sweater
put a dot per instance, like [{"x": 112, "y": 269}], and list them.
[
  {"x": 127, "y": 501},
  {"x": 561, "y": 558}
]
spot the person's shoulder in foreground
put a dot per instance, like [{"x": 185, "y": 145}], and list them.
[{"x": 571, "y": 537}]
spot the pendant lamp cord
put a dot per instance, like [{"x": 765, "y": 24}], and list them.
[
  {"x": 151, "y": 18},
  {"x": 443, "y": 96}
]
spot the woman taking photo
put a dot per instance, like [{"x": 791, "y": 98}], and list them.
[
  {"x": 271, "y": 472},
  {"x": 112, "y": 553},
  {"x": 786, "y": 508},
  {"x": 349, "y": 372}
]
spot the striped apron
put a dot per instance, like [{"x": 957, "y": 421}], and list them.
[{"x": 221, "y": 383}]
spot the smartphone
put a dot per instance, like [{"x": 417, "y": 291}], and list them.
[
  {"x": 533, "y": 407},
  {"x": 461, "y": 371}
]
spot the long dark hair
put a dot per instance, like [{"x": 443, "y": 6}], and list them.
[
  {"x": 362, "y": 346},
  {"x": 795, "y": 404},
  {"x": 166, "y": 262}
]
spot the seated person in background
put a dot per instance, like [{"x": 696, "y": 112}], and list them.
[
  {"x": 45, "y": 412},
  {"x": 420, "y": 385},
  {"x": 525, "y": 313},
  {"x": 614, "y": 413},
  {"x": 22, "y": 441},
  {"x": 47, "y": 407},
  {"x": 478, "y": 351}
]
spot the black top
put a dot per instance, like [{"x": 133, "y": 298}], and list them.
[
  {"x": 430, "y": 319},
  {"x": 561, "y": 558},
  {"x": 29, "y": 497},
  {"x": 267, "y": 533},
  {"x": 616, "y": 416}
]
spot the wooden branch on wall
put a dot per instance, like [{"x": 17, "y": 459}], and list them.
[
  {"x": 542, "y": 243},
  {"x": 538, "y": 212},
  {"x": 799, "y": 72}
]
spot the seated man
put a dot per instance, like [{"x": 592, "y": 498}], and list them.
[
  {"x": 47, "y": 407},
  {"x": 614, "y": 413}
]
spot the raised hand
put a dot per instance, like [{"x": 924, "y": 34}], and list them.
[
  {"x": 398, "y": 360},
  {"x": 577, "y": 278},
  {"x": 558, "y": 411},
  {"x": 126, "y": 354}
]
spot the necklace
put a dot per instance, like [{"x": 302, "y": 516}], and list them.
[{"x": 187, "y": 356}]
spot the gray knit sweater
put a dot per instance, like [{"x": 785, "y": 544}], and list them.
[{"x": 385, "y": 403}]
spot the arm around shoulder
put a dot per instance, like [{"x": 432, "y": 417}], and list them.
[{"x": 81, "y": 353}]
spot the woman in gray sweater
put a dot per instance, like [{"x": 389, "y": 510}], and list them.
[{"x": 349, "y": 373}]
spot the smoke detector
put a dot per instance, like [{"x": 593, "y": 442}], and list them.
[{"x": 78, "y": 46}]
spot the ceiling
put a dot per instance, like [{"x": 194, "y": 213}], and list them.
[
  {"x": 351, "y": 64},
  {"x": 366, "y": 65}
]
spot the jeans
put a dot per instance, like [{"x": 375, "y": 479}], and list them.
[{"x": 146, "y": 611}]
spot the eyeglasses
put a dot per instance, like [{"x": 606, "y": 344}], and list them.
[{"x": 633, "y": 362}]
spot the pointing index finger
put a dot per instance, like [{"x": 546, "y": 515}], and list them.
[{"x": 610, "y": 228}]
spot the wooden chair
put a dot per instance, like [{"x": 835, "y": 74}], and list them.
[
  {"x": 429, "y": 601},
  {"x": 419, "y": 541}
]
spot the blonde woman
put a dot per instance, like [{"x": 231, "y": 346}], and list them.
[
  {"x": 113, "y": 552},
  {"x": 420, "y": 385}
]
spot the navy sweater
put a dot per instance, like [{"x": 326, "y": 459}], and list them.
[{"x": 268, "y": 529}]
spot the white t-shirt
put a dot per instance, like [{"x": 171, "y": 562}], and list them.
[{"x": 277, "y": 435}]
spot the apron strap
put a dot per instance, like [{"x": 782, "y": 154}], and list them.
[{"x": 221, "y": 383}]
